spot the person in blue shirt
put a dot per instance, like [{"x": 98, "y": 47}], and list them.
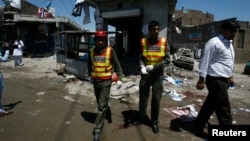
[
  {"x": 216, "y": 73},
  {"x": 2, "y": 111}
]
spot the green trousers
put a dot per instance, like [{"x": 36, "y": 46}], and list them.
[
  {"x": 102, "y": 93},
  {"x": 156, "y": 82}
]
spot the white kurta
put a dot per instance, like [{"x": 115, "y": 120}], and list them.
[{"x": 18, "y": 51}]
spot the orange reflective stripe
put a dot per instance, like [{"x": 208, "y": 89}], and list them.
[
  {"x": 154, "y": 53},
  {"x": 144, "y": 44},
  {"x": 101, "y": 65},
  {"x": 98, "y": 74},
  {"x": 103, "y": 69}
]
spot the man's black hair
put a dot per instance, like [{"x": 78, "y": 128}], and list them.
[
  {"x": 152, "y": 24},
  {"x": 230, "y": 24}
]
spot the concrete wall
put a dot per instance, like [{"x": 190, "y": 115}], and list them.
[
  {"x": 156, "y": 10},
  {"x": 151, "y": 10},
  {"x": 242, "y": 55}
]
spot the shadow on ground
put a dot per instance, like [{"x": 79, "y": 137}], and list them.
[
  {"x": 132, "y": 116},
  {"x": 178, "y": 124},
  {"x": 11, "y": 106},
  {"x": 88, "y": 116}
]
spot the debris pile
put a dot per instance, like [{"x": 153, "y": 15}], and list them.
[{"x": 184, "y": 58}]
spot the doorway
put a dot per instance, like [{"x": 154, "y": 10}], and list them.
[{"x": 127, "y": 44}]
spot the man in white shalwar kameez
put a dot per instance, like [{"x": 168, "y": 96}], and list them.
[{"x": 18, "y": 52}]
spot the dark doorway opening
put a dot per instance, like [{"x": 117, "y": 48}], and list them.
[{"x": 127, "y": 45}]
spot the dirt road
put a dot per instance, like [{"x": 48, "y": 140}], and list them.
[{"x": 47, "y": 109}]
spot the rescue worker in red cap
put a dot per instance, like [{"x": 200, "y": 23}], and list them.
[{"x": 104, "y": 68}]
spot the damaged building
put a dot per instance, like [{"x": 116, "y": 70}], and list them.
[
  {"x": 131, "y": 17},
  {"x": 188, "y": 31},
  {"x": 34, "y": 25}
]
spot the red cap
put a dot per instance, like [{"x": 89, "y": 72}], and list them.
[{"x": 100, "y": 33}]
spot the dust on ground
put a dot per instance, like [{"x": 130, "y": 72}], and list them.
[{"x": 67, "y": 86}]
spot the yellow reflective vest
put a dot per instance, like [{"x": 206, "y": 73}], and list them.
[
  {"x": 101, "y": 64},
  {"x": 153, "y": 53}
]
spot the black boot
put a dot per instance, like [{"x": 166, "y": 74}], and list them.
[
  {"x": 96, "y": 136},
  {"x": 155, "y": 128}
]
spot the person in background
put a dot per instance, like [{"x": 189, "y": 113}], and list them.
[
  {"x": 18, "y": 46},
  {"x": 153, "y": 58},
  {"x": 2, "y": 111},
  {"x": 104, "y": 68},
  {"x": 216, "y": 73},
  {"x": 5, "y": 53}
]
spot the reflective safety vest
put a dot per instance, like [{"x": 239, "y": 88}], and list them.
[
  {"x": 101, "y": 64},
  {"x": 153, "y": 53}
]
